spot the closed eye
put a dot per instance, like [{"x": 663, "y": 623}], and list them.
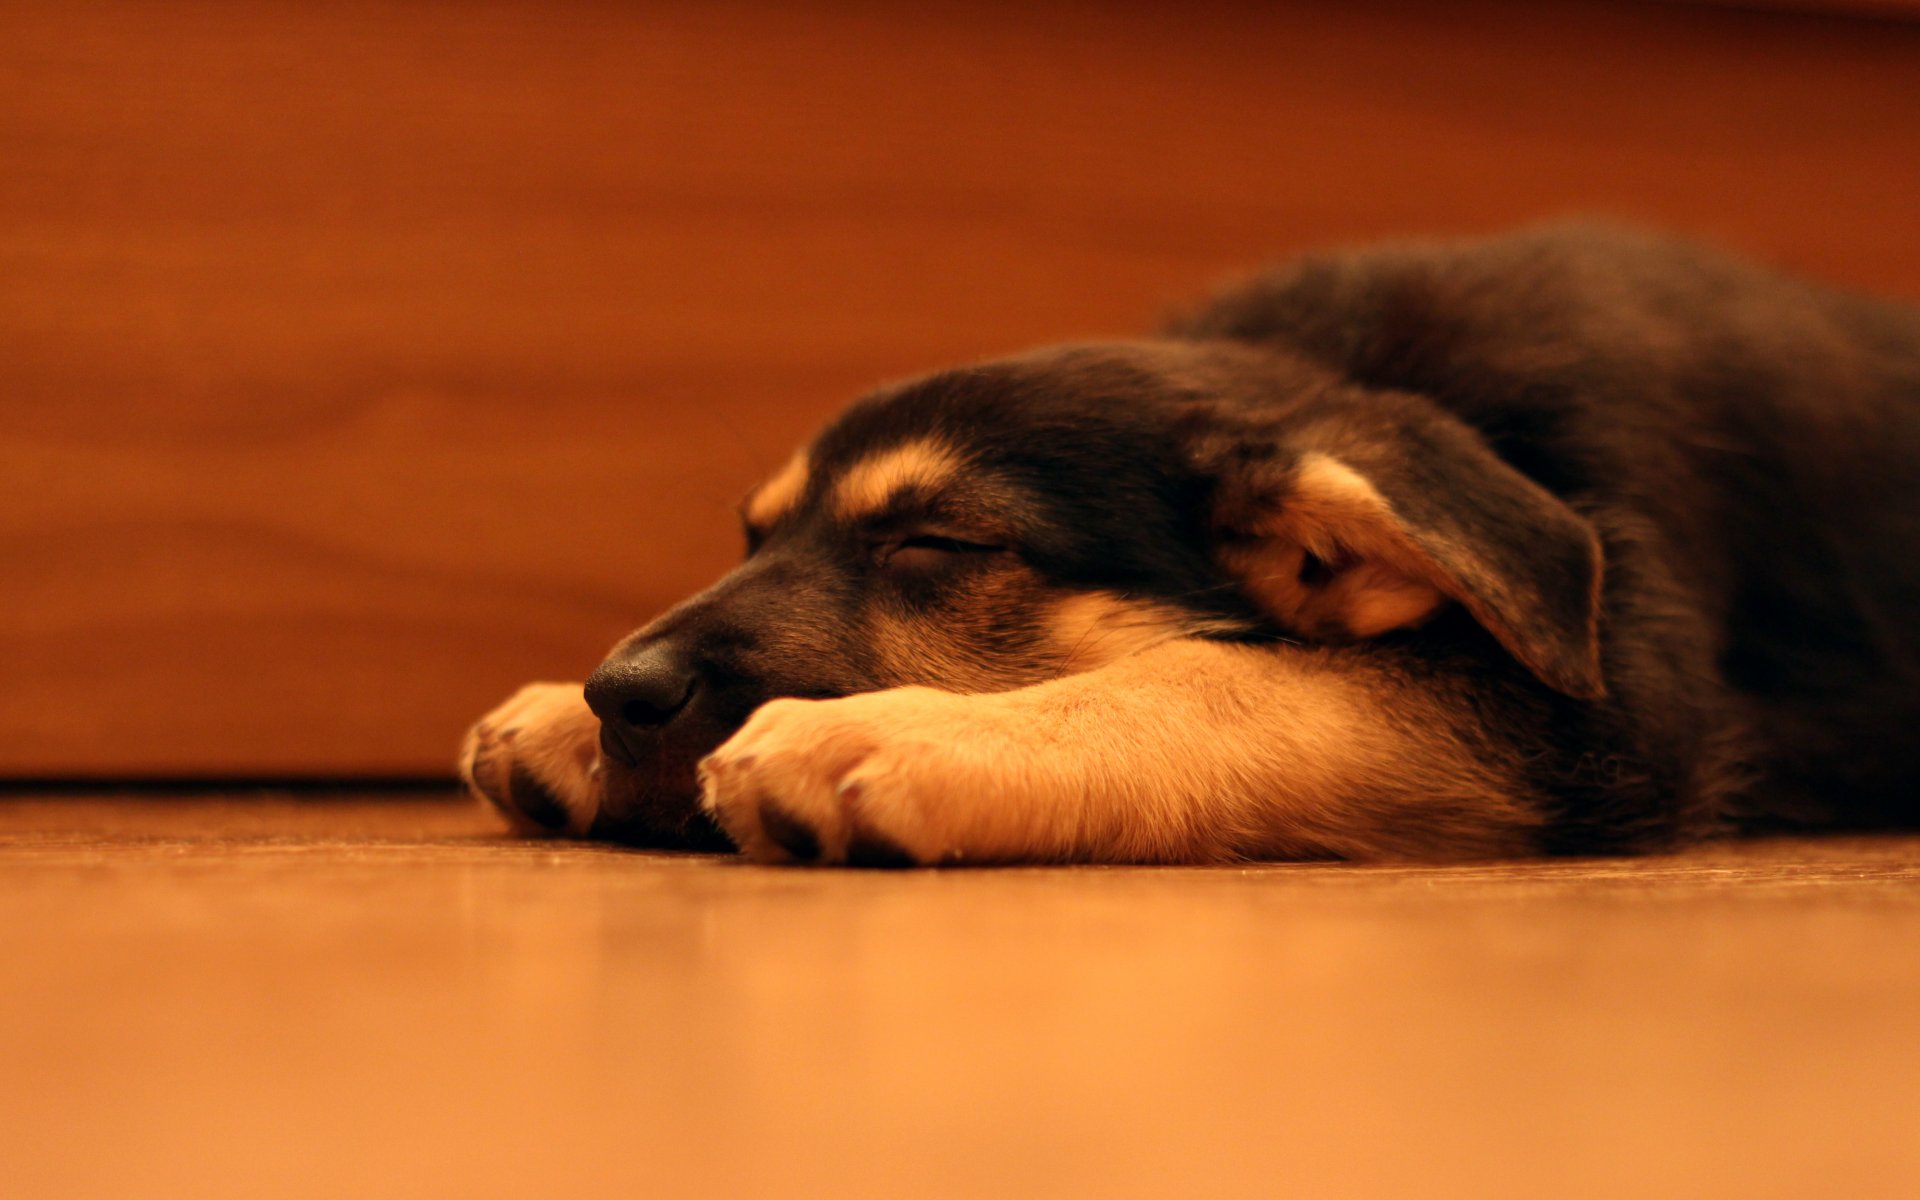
[
  {"x": 929, "y": 549},
  {"x": 947, "y": 545}
]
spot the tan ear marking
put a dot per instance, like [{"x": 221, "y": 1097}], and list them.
[
  {"x": 870, "y": 484},
  {"x": 1518, "y": 559},
  {"x": 1331, "y": 558},
  {"x": 777, "y": 496}
]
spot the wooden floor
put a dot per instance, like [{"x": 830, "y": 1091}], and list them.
[{"x": 337, "y": 997}]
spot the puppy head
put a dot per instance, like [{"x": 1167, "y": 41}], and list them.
[{"x": 1000, "y": 525}]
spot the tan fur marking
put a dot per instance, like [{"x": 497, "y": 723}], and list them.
[
  {"x": 870, "y": 484},
  {"x": 774, "y": 498},
  {"x": 1188, "y": 751},
  {"x": 1378, "y": 579},
  {"x": 936, "y": 653},
  {"x": 1084, "y": 631},
  {"x": 1092, "y": 629}
]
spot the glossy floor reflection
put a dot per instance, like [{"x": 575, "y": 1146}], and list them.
[{"x": 258, "y": 996}]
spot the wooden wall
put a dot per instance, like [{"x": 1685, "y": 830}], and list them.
[{"x": 358, "y": 362}]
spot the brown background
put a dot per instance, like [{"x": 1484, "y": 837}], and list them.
[{"x": 358, "y": 363}]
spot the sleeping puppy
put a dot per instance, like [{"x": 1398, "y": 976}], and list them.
[{"x": 1574, "y": 541}]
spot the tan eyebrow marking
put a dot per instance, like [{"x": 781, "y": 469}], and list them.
[
  {"x": 774, "y": 498},
  {"x": 869, "y": 484}
]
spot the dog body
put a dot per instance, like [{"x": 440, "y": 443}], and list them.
[{"x": 1575, "y": 541}]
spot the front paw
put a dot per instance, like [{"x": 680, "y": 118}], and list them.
[
  {"x": 536, "y": 758},
  {"x": 881, "y": 779}
]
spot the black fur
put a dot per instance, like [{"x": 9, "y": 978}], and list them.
[{"x": 1746, "y": 445}]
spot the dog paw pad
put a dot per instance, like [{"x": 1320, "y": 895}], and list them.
[
  {"x": 534, "y": 800},
  {"x": 869, "y": 849},
  {"x": 789, "y": 832}
]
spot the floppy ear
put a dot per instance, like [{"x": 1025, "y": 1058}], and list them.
[{"x": 1365, "y": 538}]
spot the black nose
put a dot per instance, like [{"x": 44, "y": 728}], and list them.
[{"x": 637, "y": 693}]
